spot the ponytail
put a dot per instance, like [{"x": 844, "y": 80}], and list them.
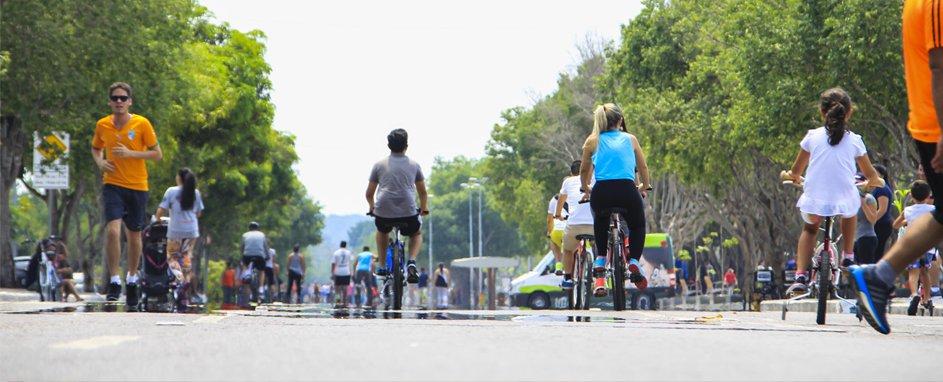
[
  {"x": 606, "y": 117},
  {"x": 188, "y": 194},
  {"x": 835, "y": 105}
]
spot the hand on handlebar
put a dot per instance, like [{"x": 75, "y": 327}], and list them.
[{"x": 787, "y": 177}]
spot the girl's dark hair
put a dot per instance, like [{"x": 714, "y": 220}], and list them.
[
  {"x": 188, "y": 196},
  {"x": 885, "y": 175},
  {"x": 835, "y": 105}
]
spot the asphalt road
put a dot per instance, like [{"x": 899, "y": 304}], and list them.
[{"x": 317, "y": 343}]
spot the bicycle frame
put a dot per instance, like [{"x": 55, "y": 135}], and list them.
[{"x": 827, "y": 246}]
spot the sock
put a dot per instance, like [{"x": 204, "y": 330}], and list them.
[
  {"x": 885, "y": 272},
  {"x": 131, "y": 279},
  {"x": 802, "y": 274},
  {"x": 116, "y": 279},
  {"x": 848, "y": 256}
]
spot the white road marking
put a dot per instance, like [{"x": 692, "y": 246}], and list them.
[
  {"x": 95, "y": 342},
  {"x": 214, "y": 319}
]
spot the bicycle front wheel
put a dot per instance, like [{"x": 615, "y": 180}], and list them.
[
  {"x": 587, "y": 279},
  {"x": 576, "y": 295},
  {"x": 618, "y": 270}
]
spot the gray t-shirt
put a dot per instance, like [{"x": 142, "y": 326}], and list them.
[
  {"x": 183, "y": 224},
  {"x": 396, "y": 194},
  {"x": 864, "y": 228},
  {"x": 254, "y": 243}
]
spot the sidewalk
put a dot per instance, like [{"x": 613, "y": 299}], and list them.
[{"x": 23, "y": 295}]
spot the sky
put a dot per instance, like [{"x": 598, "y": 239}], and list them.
[{"x": 345, "y": 73}]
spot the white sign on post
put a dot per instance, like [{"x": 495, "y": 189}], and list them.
[{"x": 50, "y": 168}]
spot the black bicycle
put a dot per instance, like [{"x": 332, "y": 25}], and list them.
[{"x": 395, "y": 280}]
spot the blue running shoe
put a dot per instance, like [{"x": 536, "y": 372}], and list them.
[
  {"x": 567, "y": 284},
  {"x": 873, "y": 295},
  {"x": 636, "y": 276}
]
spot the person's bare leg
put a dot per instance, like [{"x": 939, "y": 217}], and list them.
[
  {"x": 925, "y": 281},
  {"x": 113, "y": 246},
  {"x": 806, "y": 246},
  {"x": 557, "y": 252},
  {"x": 848, "y": 226},
  {"x": 912, "y": 276},
  {"x": 415, "y": 244},
  {"x": 922, "y": 235},
  {"x": 383, "y": 241},
  {"x": 569, "y": 260},
  {"x": 134, "y": 251}
]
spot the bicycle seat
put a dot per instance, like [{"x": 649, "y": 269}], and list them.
[{"x": 585, "y": 237}]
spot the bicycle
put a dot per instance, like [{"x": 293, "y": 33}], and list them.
[
  {"x": 396, "y": 265},
  {"x": 49, "y": 280},
  {"x": 583, "y": 274},
  {"x": 253, "y": 284},
  {"x": 615, "y": 258},
  {"x": 825, "y": 273}
]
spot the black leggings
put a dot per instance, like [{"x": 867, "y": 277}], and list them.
[
  {"x": 293, "y": 278},
  {"x": 883, "y": 229},
  {"x": 864, "y": 250},
  {"x": 618, "y": 194}
]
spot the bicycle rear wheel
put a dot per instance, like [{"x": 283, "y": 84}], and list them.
[
  {"x": 618, "y": 270},
  {"x": 824, "y": 285},
  {"x": 397, "y": 276},
  {"x": 576, "y": 295},
  {"x": 587, "y": 279}
]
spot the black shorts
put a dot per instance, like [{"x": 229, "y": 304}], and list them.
[
  {"x": 410, "y": 224},
  {"x": 365, "y": 277},
  {"x": 269, "y": 276},
  {"x": 126, "y": 204},
  {"x": 341, "y": 281},
  {"x": 934, "y": 179},
  {"x": 257, "y": 262}
]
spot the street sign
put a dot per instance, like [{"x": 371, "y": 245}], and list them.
[{"x": 50, "y": 168}]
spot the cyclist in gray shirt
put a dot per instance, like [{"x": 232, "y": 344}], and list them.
[
  {"x": 391, "y": 194},
  {"x": 254, "y": 249}
]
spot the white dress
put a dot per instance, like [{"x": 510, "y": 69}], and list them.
[{"x": 830, "y": 179}]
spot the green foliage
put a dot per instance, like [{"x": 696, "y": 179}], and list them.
[{"x": 214, "y": 286}]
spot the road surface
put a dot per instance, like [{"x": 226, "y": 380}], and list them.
[{"x": 318, "y": 343}]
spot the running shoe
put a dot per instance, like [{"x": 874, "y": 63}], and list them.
[
  {"x": 114, "y": 292},
  {"x": 412, "y": 274},
  {"x": 382, "y": 271},
  {"x": 558, "y": 268},
  {"x": 599, "y": 264},
  {"x": 635, "y": 275},
  {"x": 567, "y": 284},
  {"x": 873, "y": 295},
  {"x": 847, "y": 262},
  {"x": 131, "y": 295},
  {"x": 800, "y": 285},
  {"x": 599, "y": 287},
  {"x": 914, "y": 304}
]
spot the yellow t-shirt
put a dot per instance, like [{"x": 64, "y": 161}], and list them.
[
  {"x": 921, "y": 33},
  {"x": 136, "y": 135}
]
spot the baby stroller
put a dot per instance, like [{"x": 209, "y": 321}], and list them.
[
  {"x": 157, "y": 280},
  {"x": 42, "y": 268}
]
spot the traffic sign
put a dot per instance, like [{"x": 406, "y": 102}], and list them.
[{"x": 50, "y": 168}]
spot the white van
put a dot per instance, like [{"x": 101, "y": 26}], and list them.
[{"x": 539, "y": 287}]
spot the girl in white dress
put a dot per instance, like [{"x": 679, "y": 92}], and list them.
[{"x": 830, "y": 152}]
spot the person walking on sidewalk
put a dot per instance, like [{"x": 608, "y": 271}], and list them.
[
  {"x": 296, "y": 272},
  {"x": 442, "y": 278}
]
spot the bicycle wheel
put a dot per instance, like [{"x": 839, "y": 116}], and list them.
[
  {"x": 576, "y": 294},
  {"x": 587, "y": 272},
  {"x": 43, "y": 282},
  {"x": 824, "y": 284},
  {"x": 397, "y": 276},
  {"x": 618, "y": 270}
]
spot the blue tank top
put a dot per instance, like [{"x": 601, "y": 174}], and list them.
[{"x": 614, "y": 158}]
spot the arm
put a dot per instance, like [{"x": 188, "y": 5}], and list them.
[
  {"x": 899, "y": 222},
  {"x": 641, "y": 167},
  {"x": 549, "y": 224},
  {"x": 423, "y": 197},
  {"x": 160, "y": 213},
  {"x": 586, "y": 169},
  {"x": 871, "y": 213},
  {"x": 371, "y": 191},
  {"x": 874, "y": 179},
  {"x": 153, "y": 153},
  {"x": 798, "y": 167},
  {"x": 98, "y": 156},
  {"x": 936, "y": 71},
  {"x": 560, "y": 202}
]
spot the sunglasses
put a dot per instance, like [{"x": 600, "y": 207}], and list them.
[{"x": 120, "y": 98}]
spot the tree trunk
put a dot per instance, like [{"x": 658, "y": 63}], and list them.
[{"x": 12, "y": 141}]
